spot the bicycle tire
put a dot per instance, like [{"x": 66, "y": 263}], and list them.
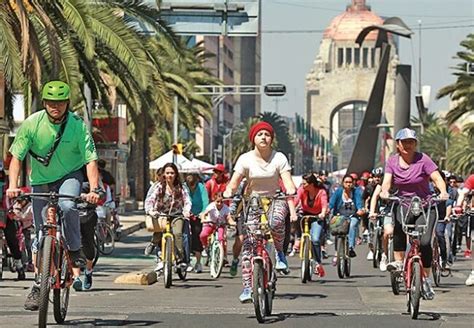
[
  {"x": 61, "y": 295},
  {"x": 45, "y": 285},
  {"x": 96, "y": 248},
  {"x": 390, "y": 256},
  {"x": 435, "y": 264},
  {"x": 305, "y": 263},
  {"x": 168, "y": 262},
  {"x": 347, "y": 264},
  {"x": 217, "y": 259},
  {"x": 270, "y": 294},
  {"x": 394, "y": 283},
  {"x": 415, "y": 290},
  {"x": 108, "y": 241},
  {"x": 259, "y": 291},
  {"x": 340, "y": 257}
]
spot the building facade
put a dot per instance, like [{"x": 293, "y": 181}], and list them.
[{"x": 341, "y": 79}]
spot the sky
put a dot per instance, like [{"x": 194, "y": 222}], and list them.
[{"x": 288, "y": 57}]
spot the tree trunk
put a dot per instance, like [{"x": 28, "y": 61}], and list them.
[{"x": 139, "y": 157}]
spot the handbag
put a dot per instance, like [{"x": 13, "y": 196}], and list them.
[
  {"x": 339, "y": 225},
  {"x": 155, "y": 224}
]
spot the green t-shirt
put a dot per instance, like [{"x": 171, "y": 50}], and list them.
[{"x": 38, "y": 133}]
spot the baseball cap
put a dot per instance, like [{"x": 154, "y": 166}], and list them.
[
  {"x": 406, "y": 133},
  {"x": 219, "y": 167}
]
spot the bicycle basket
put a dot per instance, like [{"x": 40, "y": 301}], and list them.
[
  {"x": 155, "y": 224},
  {"x": 339, "y": 225}
]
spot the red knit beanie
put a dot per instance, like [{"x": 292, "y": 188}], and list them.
[{"x": 258, "y": 127}]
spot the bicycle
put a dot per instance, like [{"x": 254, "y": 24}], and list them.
[
  {"x": 105, "y": 237},
  {"x": 216, "y": 250},
  {"x": 343, "y": 260},
  {"x": 306, "y": 248},
  {"x": 263, "y": 273},
  {"x": 54, "y": 263},
  {"x": 375, "y": 237},
  {"x": 168, "y": 251},
  {"x": 413, "y": 273}
]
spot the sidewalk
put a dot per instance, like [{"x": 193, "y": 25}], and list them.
[{"x": 132, "y": 221}]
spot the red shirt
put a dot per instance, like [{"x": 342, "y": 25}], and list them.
[
  {"x": 469, "y": 183},
  {"x": 320, "y": 201},
  {"x": 213, "y": 187}
]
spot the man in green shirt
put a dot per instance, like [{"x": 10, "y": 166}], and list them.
[{"x": 59, "y": 145}]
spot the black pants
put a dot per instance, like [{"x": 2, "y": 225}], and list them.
[
  {"x": 87, "y": 237},
  {"x": 196, "y": 228},
  {"x": 12, "y": 241},
  {"x": 400, "y": 238},
  {"x": 286, "y": 241}
]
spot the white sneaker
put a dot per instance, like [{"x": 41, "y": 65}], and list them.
[
  {"x": 370, "y": 256},
  {"x": 383, "y": 263},
  {"x": 428, "y": 291},
  {"x": 329, "y": 242},
  {"x": 292, "y": 253},
  {"x": 159, "y": 266},
  {"x": 470, "y": 279},
  {"x": 204, "y": 253},
  {"x": 365, "y": 233},
  {"x": 395, "y": 266}
]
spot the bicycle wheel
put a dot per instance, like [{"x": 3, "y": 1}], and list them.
[
  {"x": 61, "y": 295},
  {"x": 377, "y": 251},
  {"x": 305, "y": 261},
  {"x": 2, "y": 257},
  {"x": 394, "y": 282},
  {"x": 258, "y": 291},
  {"x": 347, "y": 262},
  {"x": 414, "y": 294},
  {"x": 217, "y": 259},
  {"x": 96, "y": 248},
  {"x": 45, "y": 276},
  {"x": 107, "y": 240},
  {"x": 341, "y": 256},
  {"x": 270, "y": 294},
  {"x": 435, "y": 263},
  {"x": 168, "y": 262}
]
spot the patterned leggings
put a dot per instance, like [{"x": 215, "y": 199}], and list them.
[{"x": 277, "y": 226}]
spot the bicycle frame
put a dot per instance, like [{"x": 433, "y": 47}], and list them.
[
  {"x": 306, "y": 233},
  {"x": 167, "y": 233},
  {"x": 413, "y": 255}
]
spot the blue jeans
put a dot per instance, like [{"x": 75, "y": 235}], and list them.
[
  {"x": 353, "y": 231},
  {"x": 316, "y": 232},
  {"x": 440, "y": 229},
  {"x": 69, "y": 185}
]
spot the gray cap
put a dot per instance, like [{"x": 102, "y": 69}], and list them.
[{"x": 406, "y": 133}]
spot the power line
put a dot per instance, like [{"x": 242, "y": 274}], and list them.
[{"x": 322, "y": 30}]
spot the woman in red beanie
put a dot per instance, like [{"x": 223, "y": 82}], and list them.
[{"x": 264, "y": 167}]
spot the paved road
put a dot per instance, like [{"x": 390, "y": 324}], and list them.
[{"x": 364, "y": 300}]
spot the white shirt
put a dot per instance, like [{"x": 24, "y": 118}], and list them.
[
  {"x": 263, "y": 176},
  {"x": 217, "y": 216}
]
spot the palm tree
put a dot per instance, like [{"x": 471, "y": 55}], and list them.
[
  {"x": 435, "y": 142},
  {"x": 461, "y": 154},
  {"x": 462, "y": 91},
  {"x": 283, "y": 140},
  {"x": 240, "y": 138}
]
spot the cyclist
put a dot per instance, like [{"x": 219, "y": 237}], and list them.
[
  {"x": 347, "y": 201},
  {"x": 443, "y": 224},
  {"x": 218, "y": 213},
  {"x": 463, "y": 192},
  {"x": 170, "y": 197},
  {"x": 312, "y": 198},
  {"x": 59, "y": 144},
  {"x": 375, "y": 204},
  {"x": 199, "y": 200},
  {"x": 263, "y": 167},
  {"x": 410, "y": 172},
  {"x": 217, "y": 183}
]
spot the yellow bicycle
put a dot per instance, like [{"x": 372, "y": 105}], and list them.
[{"x": 306, "y": 252}]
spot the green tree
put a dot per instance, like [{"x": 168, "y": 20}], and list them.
[{"x": 461, "y": 154}]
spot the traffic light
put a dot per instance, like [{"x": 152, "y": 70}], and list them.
[
  {"x": 275, "y": 90},
  {"x": 177, "y": 148}
]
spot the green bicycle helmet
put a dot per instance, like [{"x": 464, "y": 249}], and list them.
[{"x": 56, "y": 90}]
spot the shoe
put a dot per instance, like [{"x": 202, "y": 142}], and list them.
[
  {"x": 233, "y": 267},
  {"x": 190, "y": 268},
  {"x": 467, "y": 254},
  {"x": 20, "y": 274},
  {"x": 329, "y": 242},
  {"x": 204, "y": 253},
  {"x": 324, "y": 254},
  {"x": 246, "y": 296},
  {"x": 358, "y": 241},
  {"x": 383, "y": 263},
  {"x": 87, "y": 279},
  {"x": 77, "y": 284},
  {"x": 370, "y": 256},
  {"x": 183, "y": 266},
  {"x": 470, "y": 279},
  {"x": 31, "y": 303},
  {"x": 292, "y": 253},
  {"x": 320, "y": 271},
  {"x": 428, "y": 292},
  {"x": 226, "y": 261},
  {"x": 149, "y": 248},
  {"x": 334, "y": 261},
  {"x": 352, "y": 253},
  {"x": 159, "y": 266},
  {"x": 77, "y": 258},
  {"x": 395, "y": 266},
  {"x": 281, "y": 262},
  {"x": 30, "y": 267},
  {"x": 198, "y": 268}
]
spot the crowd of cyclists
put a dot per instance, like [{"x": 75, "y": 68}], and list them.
[{"x": 64, "y": 158}]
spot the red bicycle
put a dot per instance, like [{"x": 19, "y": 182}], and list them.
[
  {"x": 413, "y": 273},
  {"x": 54, "y": 263}
]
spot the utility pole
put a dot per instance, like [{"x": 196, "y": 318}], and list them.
[{"x": 419, "y": 58}]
